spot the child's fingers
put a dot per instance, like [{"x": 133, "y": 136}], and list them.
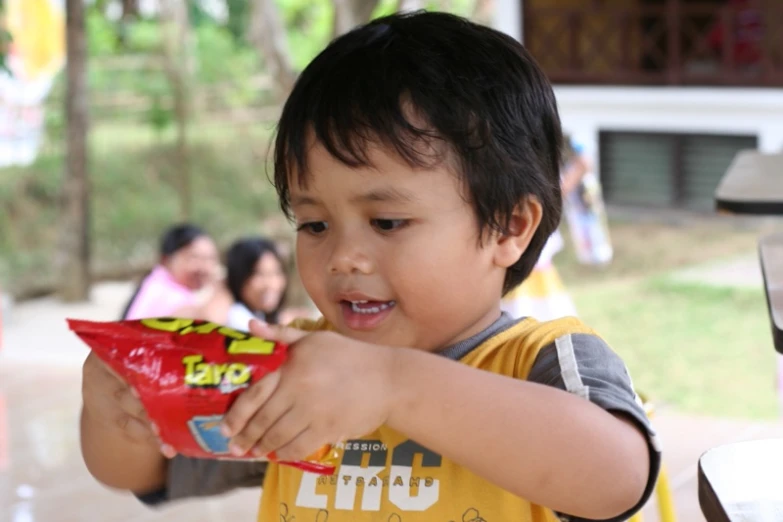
[
  {"x": 259, "y": 423},
  {"x": 299, "y": 447},
  {"x": 287, "y": 428},
  {"x": 130, "y": 404},
  {"x": 168, "y": 451},
  {"x": 139, "y": 431},
  {"x": 248, "y": 403},
  {"x": 95, "y": 364},
  {"x": 110, "y": 371},
  {"x": 278, "y": 333},
  {"x": 136, "y": 430}
]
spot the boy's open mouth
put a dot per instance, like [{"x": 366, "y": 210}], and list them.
[
  {"x": 369, "y": 307},
  {"x": 365, "y": 315}
]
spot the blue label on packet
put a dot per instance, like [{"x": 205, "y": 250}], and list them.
[{"x": 206, "y": 431}]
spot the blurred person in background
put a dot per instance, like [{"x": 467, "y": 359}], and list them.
[
  {"x": 583, "y": 208},
  {"x": 543, "y": 295},
  {"x": 188, "y": 265},
  {"x": 255, "y": 288}
]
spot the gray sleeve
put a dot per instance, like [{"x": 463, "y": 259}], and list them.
[
  {"x": 188, "y": 477},
  {"x": 584, "y": 365}
]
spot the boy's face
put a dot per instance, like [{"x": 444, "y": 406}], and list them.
[{"x": 391, "y": 255}]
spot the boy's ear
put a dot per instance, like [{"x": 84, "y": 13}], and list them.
[{"x": 521, "y": 227}]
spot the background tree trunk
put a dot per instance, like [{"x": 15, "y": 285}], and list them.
[
  {"x": 130, "y": 8},
  {"x": 178, "y": 63},
  {"x": 267, "y": 33},
  {"x": 74, "y": 240},
  {"x": 350, "y": 13}
]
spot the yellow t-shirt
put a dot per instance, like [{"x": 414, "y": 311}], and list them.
[{"x": 386, "y": 477}]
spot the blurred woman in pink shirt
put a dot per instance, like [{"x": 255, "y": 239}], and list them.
[{"x": 188, "y": 263}]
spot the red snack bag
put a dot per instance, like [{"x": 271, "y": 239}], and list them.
[{"x": 187, "y": 374}]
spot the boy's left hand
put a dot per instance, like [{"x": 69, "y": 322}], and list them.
[{"x": 330, "y": 389}]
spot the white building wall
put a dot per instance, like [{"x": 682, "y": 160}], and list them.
[{"x": 587, "y": 110}]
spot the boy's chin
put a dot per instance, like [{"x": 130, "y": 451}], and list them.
[
  {"x": 367, "y": 336},
  {"x": 375, "y": 336}
]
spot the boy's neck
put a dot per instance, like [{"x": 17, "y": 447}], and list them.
[
  {"x": 475, "y": 330},
  {"x": 461, "y": 348}
]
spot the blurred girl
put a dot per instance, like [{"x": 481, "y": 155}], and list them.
[{"x": 188, "y": 263}]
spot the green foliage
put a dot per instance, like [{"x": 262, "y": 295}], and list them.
[
  {"x": 5, "y": 41},
  {"x": 238, "y": 15},
  {"x": 198, "y": 15},
  {"x": 101, "y": 34},
  {"x": 220, "y": 58},
  {"x": 134, "y": 196},
  {"x": 143, "y": 37},
  {"x": 158, "y": 116},
  {"x": 703, "y": 349},
  {"x": 309, "y": 24},
  {"x": 122, "y": 74},
  {"x": 3, "y": 65},
  {"x": 132, "y": 158},
  {"x": 54, "y": 125}
]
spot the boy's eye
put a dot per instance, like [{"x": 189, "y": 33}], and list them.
[
  {"x": 313, "y": 227},
  {"x": 388, "y": 225}
]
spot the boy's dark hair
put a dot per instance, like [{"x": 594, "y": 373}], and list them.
[
  {"x": 478, "y": 92},
  {"x": 241, "y": 260}
]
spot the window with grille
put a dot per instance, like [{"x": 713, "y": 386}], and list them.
[{"x": 666, "y": 170}]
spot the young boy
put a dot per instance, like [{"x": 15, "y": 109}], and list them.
[{"x": 419, "y": 157}]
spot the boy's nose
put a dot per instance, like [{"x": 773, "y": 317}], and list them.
[{"x": 349, "y": 259}]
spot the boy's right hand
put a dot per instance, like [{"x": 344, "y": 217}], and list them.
[{"x": 110, "y": 401}]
